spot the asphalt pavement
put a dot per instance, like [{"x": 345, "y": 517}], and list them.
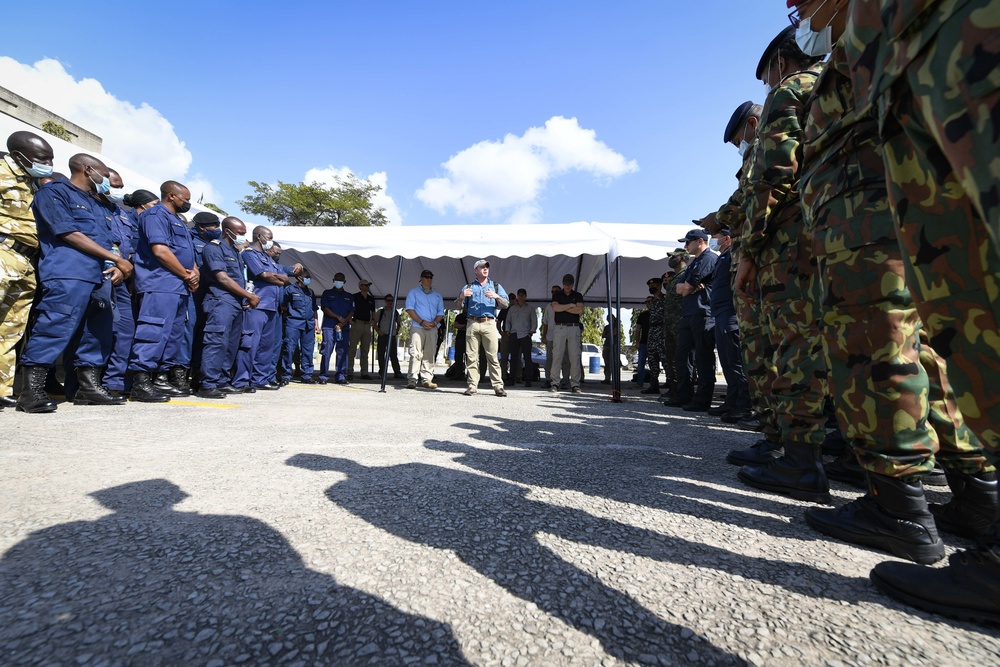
[{"x": 345, "y": 526}]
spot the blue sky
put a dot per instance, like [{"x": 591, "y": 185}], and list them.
[{"x": 394, "y": 90}]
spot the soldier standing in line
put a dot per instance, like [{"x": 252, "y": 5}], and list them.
[
  {"x": 776, "y": 265},
  {"x": 28, "y": 157},
  {"x": 932, "y": 73},
  {"x": 672, "y": 302},
  {"x": 654, "y": 341}
]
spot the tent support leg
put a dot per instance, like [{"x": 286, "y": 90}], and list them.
[
  {"x": 616, "y": 349},
  {"x": 392, "y": 324}
]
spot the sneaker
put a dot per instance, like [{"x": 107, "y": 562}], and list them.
[
  {"x": 412, "y": 384},
  {"x": 429, "y": 385},
  {"x": 553, "y": 389},
  {"x": 575, "y": 390},
  {"x": 500, "y": 392},
  {"x": 470, "y": 391}
]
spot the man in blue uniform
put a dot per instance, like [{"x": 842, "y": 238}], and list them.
[
  {"x": 299, "y": 302},
  {"x": 727, "y": 334},
  {"x": 697, "y": 327},
  {"x": 165, "y": 276},
  {"x": 77, "y": 268},
  {"x": 126, "y": 224},
  {"x": 207, "y": 228},
  {"x": 226, "y": 299},
  {"x": 338, "y": 309},
  {"x": 279, "y": 322},
  {"x": 255, "y": 360}
]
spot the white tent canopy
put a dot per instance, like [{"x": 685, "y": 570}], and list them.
[{"x": 534, "y": 257}]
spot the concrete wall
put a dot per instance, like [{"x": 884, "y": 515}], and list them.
[{"x": 27, "y": 111}]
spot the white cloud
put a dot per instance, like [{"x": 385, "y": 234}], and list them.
[
  {"x": 328, "y": 176},
  {"x": 494, "y": 176},
  {"x": 137, "y": 137}
]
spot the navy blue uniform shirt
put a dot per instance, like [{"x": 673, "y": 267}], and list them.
[
  {"x": 339, "y": 301},
  {"x": 220, "y": 256},
  {"x": 300, "y": 302},
  {"x": 60, "y": 208},
  {"x": 258, "y": 262},
  {"x": 157, "y": 225},
  {"x": 722, "y": 289},
  {"x": 699, "y": 272}
]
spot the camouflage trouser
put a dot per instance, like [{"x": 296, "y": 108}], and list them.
[
  {"x": 668, "y": 361},
  {"x": 942, "y": 140},
  {"x": 798, "y": 368},
  {"x": 654, "y": 353},
  {"x": 17, "y": 290},
  {"x": 878, "y": 369},
  {"x": 755, "y": 346}
]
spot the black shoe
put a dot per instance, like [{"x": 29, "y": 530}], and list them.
[
  {"x": 308, "y": 380},
  {"x": 799, "y": 474},
  {"x": 736, "y": 416},
  {"x": 162, "y": 385},
  {"x": 892, "y": 517},
  {"x": 268, "y": 387},
  {"x": 143, "y": 390},
  {"x": 834, "y": 443},
  {"x": 7, "y": 402},
  {"x": 846, "y": 469},
  {"x": 363, "y": 376},
  {"x": 321, "y": 381},
  {"x": 350, "y": 378},
  {"x": 247, "y": 390},
  {"x": 179, "y": 380},
  {"x": 91, "y": 392},
  {"x": 935, "y": 477},
  {"x": 398, "y": 376},
  {"x": 973, "y": 507},
  {"x": 759, "y": 453},
  {"x": 652, "y": 389},
  {"x": 341, "y": 381},
  {"x": 33, "y": 398},
  {"x": 546, "y": 385},
  {"x": 282, "y": 382},
  {"x": 214, "y": 392},
  {"x": 968, "y": 588},
  {"x": 675, "y": 403},
  {"x": 696, "y": 407},
  {"x": 718, "y": 410},
  {"x": 229, "y": 389},
  {"x": 750, "y": 424}
]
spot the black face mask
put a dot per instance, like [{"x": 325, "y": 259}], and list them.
[
  {"x": 653, "y": 289},
  {"x": 184, "y": 208}
]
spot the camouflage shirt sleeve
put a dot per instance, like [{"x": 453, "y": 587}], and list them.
[
  {"x": 774, "y": 175},
  {"x": 731, "y": 213}
]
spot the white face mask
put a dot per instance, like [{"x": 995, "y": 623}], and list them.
[
  {"x": 744, "y": 146},
  {"x": 713, "y": 244},
  {"x": 814, "y": 43}
]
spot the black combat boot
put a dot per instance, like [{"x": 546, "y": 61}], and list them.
[
  {"x": 143, "y": 390},
  {"x": 162, "y": 384},
  {"x": 33, "y": 397},
  {"x": 834, "y": 443},
  {"x": 968, "y": 588},
  {"x": 799, "y": 474},
  {"x": 892, "y": 516},
  {"x": 973, "y": 508},
  {"x": 91, "y": 392},
  {"x": 179, "y": 380},
  {"x": 653, "y": 388},
  {"x": 845, "y": 468},
  {"x": 759, "y": 453}
]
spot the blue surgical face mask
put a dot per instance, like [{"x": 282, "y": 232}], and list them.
[
  {"x": 713, "y": 244},
  {"x": 37, "y": 170},
  {"x": 211, "y": 234},
  {"x": 117, "y": 195},
  {"x": 103, "y": 187},
  {"x": 339, "y": 284},
  {"x": 306, "y": 281},
  {"x": 239, "y": 240}
]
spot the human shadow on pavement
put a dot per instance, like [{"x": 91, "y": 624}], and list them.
[
  {"x": 153, "y": 586},
  {"x": 493, "y": 528}
]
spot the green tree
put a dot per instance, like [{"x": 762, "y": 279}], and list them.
[
  {"x": 593, "y": 324},
  {"x": 348, "y": 203},
  {"x": 57, "y": 130},
  {"x": 212, "y": 207}
]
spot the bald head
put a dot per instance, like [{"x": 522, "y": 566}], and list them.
[
  {"x": 234, "y": 225},
  {"x": 116, "y": 179},
  {"x": 175, "y": 197},
  {"x": 81, "y": 162},
  {"x": 262, "y": 233},
  {"x": 27, "y": 147},
  {"x": 172, "y": 187}
]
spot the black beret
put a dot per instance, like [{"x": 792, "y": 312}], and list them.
[
  {"x": 205, "y": 219},
  {"x": 772, "y": 48},
  {"x": 738, "y": 118}
]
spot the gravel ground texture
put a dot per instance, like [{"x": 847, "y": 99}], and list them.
[{"x": 345, "y": 526}]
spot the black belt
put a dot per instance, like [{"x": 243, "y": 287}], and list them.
[
  {"x": 481, "y": 319},
  {"x": 20, "y": 248},
  {"x": 567, "y": 324}
]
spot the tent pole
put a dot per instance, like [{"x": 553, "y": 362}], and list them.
[
  {"x": 611, "y": 329},
  {"x": 616, "y": 352},
  {"x": 392, "y": 324}
]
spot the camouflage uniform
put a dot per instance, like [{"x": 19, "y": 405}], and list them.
[
  {"x": 654, "y": 342},
  {"x": 671, "y": 319},
  {"x": 774, "y": 239},
  {"x": 17, "y": 275},
  {"x": 878, "y": 367},
  {"x": 941, "y": 139},
  {"x": 755, "y": 345}
]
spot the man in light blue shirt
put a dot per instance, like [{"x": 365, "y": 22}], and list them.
[
  {"x": 481, "y": 300},
  {"x": 425, "y": 307}
]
